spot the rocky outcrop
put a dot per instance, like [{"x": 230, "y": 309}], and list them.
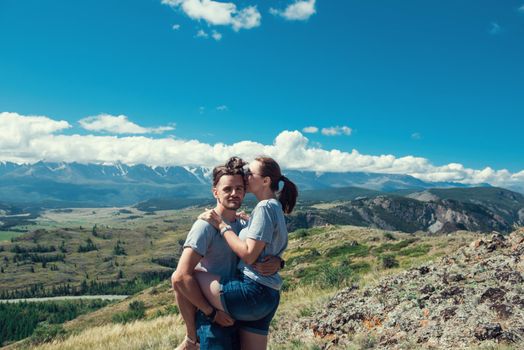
[
  {"x": 473, "y": 296},
  {"x": 411, "y": 215}
]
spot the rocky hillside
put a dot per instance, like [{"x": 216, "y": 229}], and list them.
[
  {"x": 473, "y": 297},
  {"x": 410, "y": 215}
]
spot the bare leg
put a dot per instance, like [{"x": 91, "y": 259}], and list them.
[
  {"x": 210, "y": 286},
  {"x": 187, "y": 310},
  {"x": 252, "y": 341}
]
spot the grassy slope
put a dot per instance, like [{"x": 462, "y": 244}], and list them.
[
  {"x": 320, "y": 261},
  {"x": 144, "y": 237},
  {"x": 7, "y": 235}
]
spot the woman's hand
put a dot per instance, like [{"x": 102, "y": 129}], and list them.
[
  {"x": 212, "y": 217},
  {"x": 206, "y": 215},
  {"x": 242, "y": 215}
]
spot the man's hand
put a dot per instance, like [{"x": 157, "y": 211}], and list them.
[
  {"x": 268, "y": 266},
  {"x": 223, "y": 319}
]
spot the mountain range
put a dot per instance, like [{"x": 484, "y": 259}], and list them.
[{"x": 94, "y": 185}]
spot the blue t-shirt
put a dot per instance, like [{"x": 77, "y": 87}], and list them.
[
  {"x": 267, "y": 224},
  {"x": 217, "y": 257}
]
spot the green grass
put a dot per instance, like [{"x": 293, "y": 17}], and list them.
[
  {"x": 352, "y": 249},
  {"x": 419, "y": 250},
  {"x": 7, "y": 235},
  {"x": 394, "y": 247},
  {"x": 306, "y": 232}
]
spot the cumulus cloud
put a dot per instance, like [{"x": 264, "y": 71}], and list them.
[
  {"x": 310, "y": 130},
  {"x": 17, "y": 131},
  {"x": 218, "y": 13},
  {"x": 222, "y": 108},
  {"x": 201, "y": 34},
  {"x": 34, "y": 138},
  {"x": 297, "y": 11},
  {"x": 118, "y": 125},
  {"x": 216, "y": 35},
  {"x": 336, "y": 130},
  {"x": 176, "y": 26}
]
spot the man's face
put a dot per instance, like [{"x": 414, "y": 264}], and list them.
[{"x": 230, "y": 191}]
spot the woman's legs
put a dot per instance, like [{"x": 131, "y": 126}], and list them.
[
  {"x": 210, "y": 287},
  {"x": 252, "y": 341}
]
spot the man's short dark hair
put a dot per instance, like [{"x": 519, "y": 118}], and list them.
[{"x": 234, "y": 166}]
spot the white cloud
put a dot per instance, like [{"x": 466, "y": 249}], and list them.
[
  {"x": 521, "y": 9},
  {"x": 310, "y": 129},
  {"x": 30, "y": 139},
  {"x": 176, "y": 26},
  {"x": 416, "y": 136},
  {"x": 248, "y": 18},
  {"x": 297, "y": 11},
  {"x": 336, "y": 130},
  {"x": 17, "y": 131},
  {"x": 218, "y": 13},
  {"x": 222, "y": 108},
  {"x": 201, "y": 34},
  {"x": 216, "y": 35},
  {"x": 118, "y": 125},
  {"x": 494, "y": 28}
]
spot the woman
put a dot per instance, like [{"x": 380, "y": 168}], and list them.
[{"x": 253, "y": 298}]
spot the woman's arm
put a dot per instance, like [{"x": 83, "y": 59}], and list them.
[{"x": 248, "y": 250}]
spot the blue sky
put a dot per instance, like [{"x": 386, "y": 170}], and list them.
[{"x": 438, "y": 80}]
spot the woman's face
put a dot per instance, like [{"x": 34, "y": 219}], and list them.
[{"x": 254, "y": 179}]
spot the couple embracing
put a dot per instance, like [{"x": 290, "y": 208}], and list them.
[{"x": 227, "y": 284}]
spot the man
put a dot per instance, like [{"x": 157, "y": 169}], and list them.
[{"x": 205, "y": 249}]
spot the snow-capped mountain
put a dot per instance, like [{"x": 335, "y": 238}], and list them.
[{"x": 122, "y": 184}]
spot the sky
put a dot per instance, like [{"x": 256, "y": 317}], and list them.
[{"x": 434, "y": 89}]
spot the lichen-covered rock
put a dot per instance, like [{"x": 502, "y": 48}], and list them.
[{"x": 472, "y": 296}]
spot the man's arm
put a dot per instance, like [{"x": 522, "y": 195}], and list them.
[
  {"x": 185, "y": 283},
  {"x": 269, "y": 265}
]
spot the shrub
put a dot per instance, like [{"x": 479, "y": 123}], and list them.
[
  {"x": 389, "y": 236},
  {"x": 46, "y": 332},
  {"x": 136, "y": 311},
  {"x": 168, "y": 310},
  {"x": 389, "y": 261},
  {"x": 335, "y": 276}
]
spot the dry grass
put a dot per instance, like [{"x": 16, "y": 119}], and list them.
[{"x": 159, "y": 334}]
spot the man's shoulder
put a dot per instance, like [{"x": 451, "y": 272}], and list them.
[{"x": 202, "y": 226}]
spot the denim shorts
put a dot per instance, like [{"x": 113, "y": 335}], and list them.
[
  {"x": 252, "y": 304},
  {"x": 214, "y": 337}
]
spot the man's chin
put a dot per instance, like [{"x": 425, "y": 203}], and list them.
[{"x": 233, "y": 206}]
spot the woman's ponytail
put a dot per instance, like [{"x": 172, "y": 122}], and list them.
[{"x": 288, "y": 195}]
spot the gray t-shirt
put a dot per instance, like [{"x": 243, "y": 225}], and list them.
[
  {"x": 267, "y": 224},
  {"x": 217, "y": 257}
]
